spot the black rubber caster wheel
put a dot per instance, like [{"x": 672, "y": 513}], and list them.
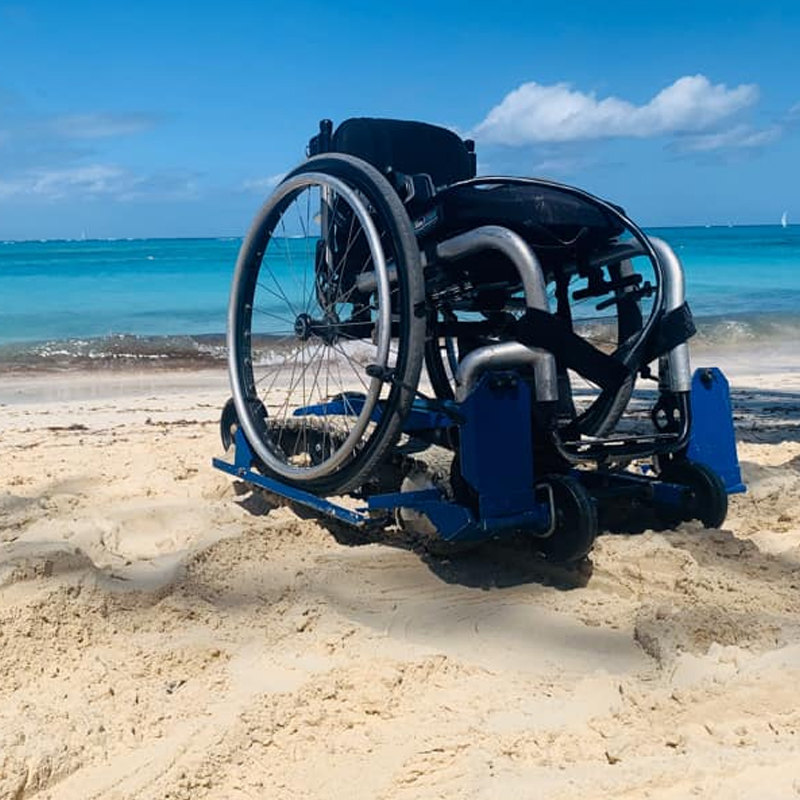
[
  {"x": 575, "y": 523},
  {"x": 705, "y": 498},
  {"x": 228, "y": 424},
  {"x": 229, "y": 420}
]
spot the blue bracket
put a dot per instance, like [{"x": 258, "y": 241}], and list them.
[
  {"x": 712, "y": 439},
  {"x": 242, "y": 468},
  {"x": 424, "y": 414},
  {"x": 496, "y": 450},
  {"x": 452, "y": 522}
]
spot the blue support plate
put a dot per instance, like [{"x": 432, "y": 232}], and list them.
[{"x": 712, "y": 440}]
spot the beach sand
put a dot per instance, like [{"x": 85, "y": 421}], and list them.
[{"x": 165, "y": 634}]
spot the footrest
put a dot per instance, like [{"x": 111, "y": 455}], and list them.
[{"x": 620, "y": 447}]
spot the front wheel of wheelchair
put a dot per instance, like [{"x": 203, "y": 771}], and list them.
[
  {"x": 705, "y": 498},
  {"x": 574, "y": 526},
  {"x": 325, "y": 335}
]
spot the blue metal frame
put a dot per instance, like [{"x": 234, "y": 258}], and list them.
[
  {"x": 496, "y": 459},
  {"x": 712, "y": 439},
  {"x": 242, "y": 468},
  {"x": 424, "y": 414},
  {"x": 496, "y": 452}
]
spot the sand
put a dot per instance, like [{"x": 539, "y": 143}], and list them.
[{"x": 165, "y": 634}]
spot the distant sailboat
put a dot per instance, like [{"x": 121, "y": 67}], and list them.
[{"x": 783, "y": 220}]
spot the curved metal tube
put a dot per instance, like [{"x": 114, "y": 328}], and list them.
[
  {"x": 674, "y": 283},
  {"x": 613, "y": 211},
  {"x": 503, "y": 356},
  {"x": 511, "y": 245},
  {"x": 674, "y": 371}
]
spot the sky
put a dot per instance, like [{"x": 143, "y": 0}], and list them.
[{"x": 176, "y": 119}]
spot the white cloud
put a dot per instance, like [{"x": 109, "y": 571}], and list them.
[
  {"x": 533, "y": 113},
  {"x": 98, "y": 180},
  {"x": 101, "y": 125},
  {"x": 263, "y": 185},
  {"x": 741, "y": 137},
  {"x": 55, "y": 184}
]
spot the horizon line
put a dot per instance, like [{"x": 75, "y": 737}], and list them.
[{"x": 224, "y": 238}]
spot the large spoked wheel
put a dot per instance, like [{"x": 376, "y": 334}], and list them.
[
  {"x": 613, "y": 329},
  {"x": 574, "y": 524},
  {"x": 325, "y": 336},
  {"x": 705, "y": 498}
]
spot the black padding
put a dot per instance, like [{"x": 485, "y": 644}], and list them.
[
  {"x": 405, "y": 146},
  {"x": 674, "y": 328},
  {"x": 540, "y": 329},
  {"x": 547, "y": 217}
]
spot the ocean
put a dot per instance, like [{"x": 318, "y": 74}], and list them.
[{"x": 162, "y": 302}]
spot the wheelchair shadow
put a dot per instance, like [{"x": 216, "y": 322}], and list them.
[
  {"x": 760, "y": 416},
  {"x": 766, "y": 416},
  {"x": 497, "y": 564},
  {"x": 505, "y": 563}
]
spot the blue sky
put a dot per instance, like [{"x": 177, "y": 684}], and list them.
[{"x": 173, "y": 119}]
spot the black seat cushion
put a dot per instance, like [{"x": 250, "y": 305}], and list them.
[
  {"x": 545, "y": 216},
  {"x": 404, "y": 146},
  {"x": 560, "y": 227}
]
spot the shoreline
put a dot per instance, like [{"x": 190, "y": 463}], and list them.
[
  {"x": 768, "y": 340},
  {"x": 75, "y": 385},
  {"x": 746, "y": 366}
]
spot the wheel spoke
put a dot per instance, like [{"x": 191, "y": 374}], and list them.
[{"x": 306, "y": 359}]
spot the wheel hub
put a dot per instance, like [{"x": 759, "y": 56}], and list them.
[
  {"x": 327, "y": 329},
  {"x": 303, "y": 326}
]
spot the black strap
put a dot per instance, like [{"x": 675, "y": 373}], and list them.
[
  {"x": 674, "y": 328},
  {"x": 538, "y": 328}
]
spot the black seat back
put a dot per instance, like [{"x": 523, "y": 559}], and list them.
[{"x": 409, "y": 147}]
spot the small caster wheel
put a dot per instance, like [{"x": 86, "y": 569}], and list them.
[
  {"x": 228, "y": 424},
  {"x": 705, "y": 498},
  {"x": 229, "y": 420},
  {"x": 575, "y": 523}
]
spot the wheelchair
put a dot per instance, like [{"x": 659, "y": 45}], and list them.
[{"x": 387, "y": 302}]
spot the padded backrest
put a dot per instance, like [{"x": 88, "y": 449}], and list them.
[{"x": 404, "y": 146}]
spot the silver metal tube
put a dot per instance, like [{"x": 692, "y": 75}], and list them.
[
  {"x": 674, "y": 371},
  {"x": 502, "y": 356},
  {"x": 674, "y": 283},
  {"x": 487, "y": 237},
  {"x": 505, "y": 354},
  {"x": 366, "y": 282},
  {"x": 510, "y": 244}
]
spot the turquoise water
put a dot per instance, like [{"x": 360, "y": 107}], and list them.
[
  {"x": 164, "y": 299},
  {"x": 147, "y": 287},
  {"x": 739, "y": 272}
]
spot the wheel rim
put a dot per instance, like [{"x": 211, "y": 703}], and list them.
[
  {"x": 595, "y": 412},
  {"x": 296, "y": 339}
]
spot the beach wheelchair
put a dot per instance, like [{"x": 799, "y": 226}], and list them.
[{"x": 409, "y": 342}]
